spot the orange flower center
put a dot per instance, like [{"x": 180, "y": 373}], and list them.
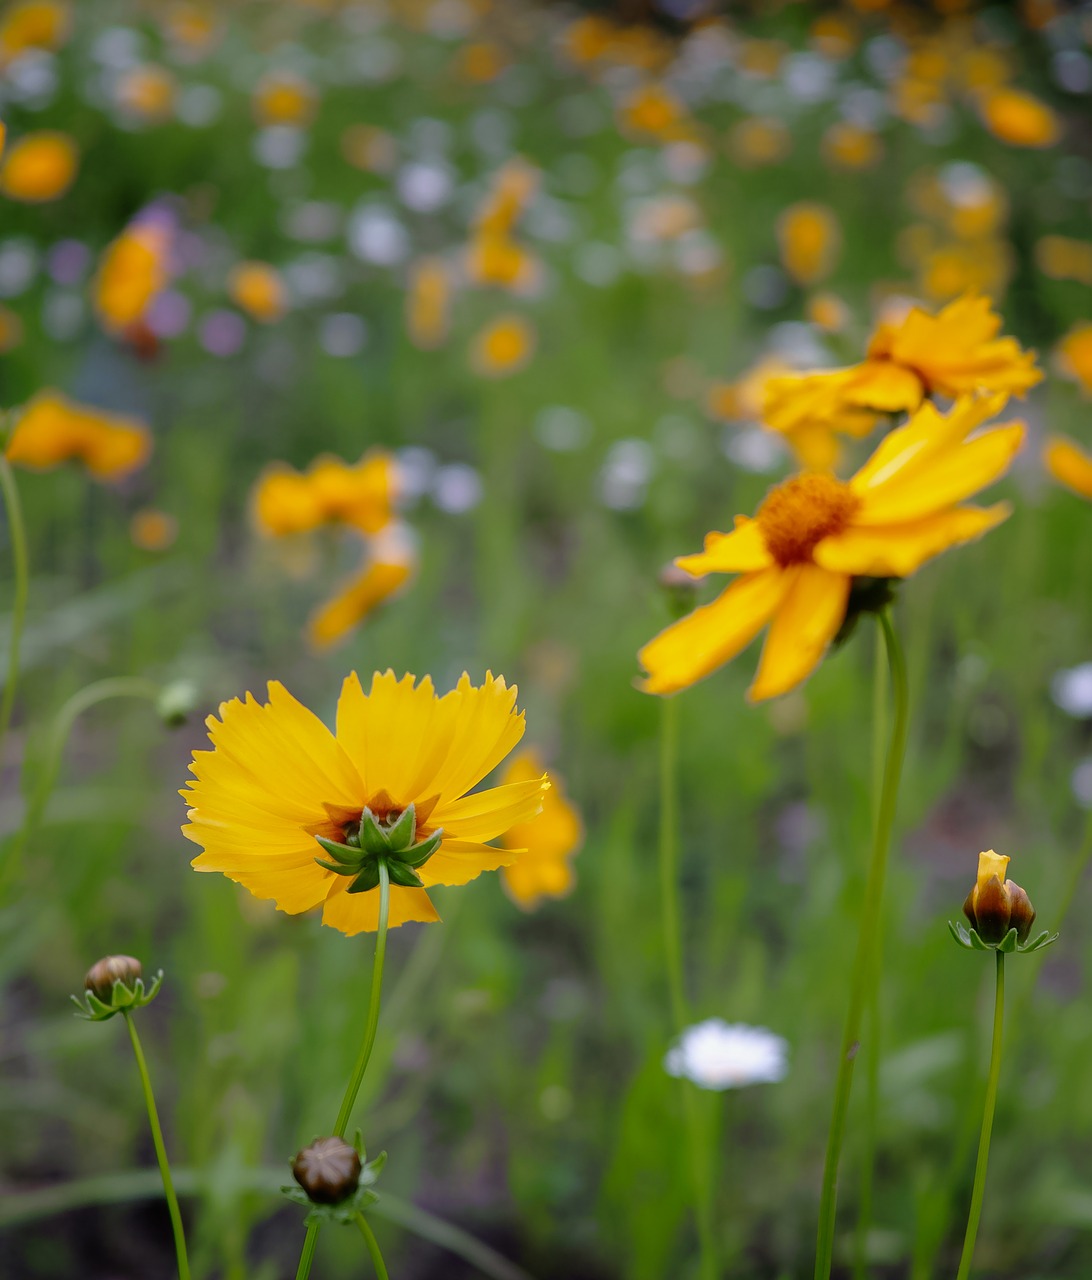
[{"x": 797, "y": 515}]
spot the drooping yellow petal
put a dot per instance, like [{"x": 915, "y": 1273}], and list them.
[
  {"x": 484, "y": 815},
  {"x": 357, "y": 598},
  {"x": 740, "y": 551},
  {"x": 897, "y": 550},
  {"x": 1069, "y": 465},
  {"x": 805, "y": 623},
  {"x": 460, "y": 861},
  {"x": 354, "y": 913},
  {"x": 696, "y": 645},
  {"x": 295, "y": 884},
  {"x": 545, "y": 844}
]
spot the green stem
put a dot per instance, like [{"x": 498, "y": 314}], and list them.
[
  {"x": 863, "y": 976},
  {"x": 872, "y": 1060},
  {"x": 310, "y": 1240},
  {"x": 680, "y": 1016},
  {"x": 38, "y": 795},
  {"x": 160, "y": 1151},
  {"x": 979, "y": 1191},
  {"x": 18, "y": 531},
  {"x": 373, "y": 1247}
]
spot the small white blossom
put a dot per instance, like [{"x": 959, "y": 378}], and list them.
[{"x": 720, "y": 1055}]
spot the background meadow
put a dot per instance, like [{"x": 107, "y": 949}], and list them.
[{"x": 519, "y": 1082}]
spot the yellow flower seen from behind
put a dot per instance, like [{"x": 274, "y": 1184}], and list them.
[
  {"x": 546, "y": 845},
  {"x": 813, "y": 534},
  {"x": 276, "y": 778}
]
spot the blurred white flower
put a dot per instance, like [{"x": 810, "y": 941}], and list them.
[
  {"x": 1071, "y": 690},
  {"x": 715, "y": 1054}
]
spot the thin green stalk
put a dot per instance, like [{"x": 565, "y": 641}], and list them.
[
  {"x": 863, "y": 977},
  {"x": 160, "y": 1151},
  {"x": 979, "y": 1191},
  {"x": 872, "y": 1060},
  {"x": 50, "y": 765},
  {"x": 20, "y": 561},
  {"x": 310, "y": 1240},
  {"x": 672, "y": 931},
  {"x": 373, "y": 1247}
]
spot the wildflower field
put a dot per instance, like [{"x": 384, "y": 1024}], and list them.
[{"x": 576, "y": 520}]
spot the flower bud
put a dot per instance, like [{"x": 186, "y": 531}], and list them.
[
  {"x": 995, "y": 905},
  {"x": 110, "y": 969},
  {"x": 328, "y": 1170},
  {"x": 176, "y": 702}
]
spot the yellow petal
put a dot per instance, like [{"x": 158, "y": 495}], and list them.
[
  {"x": 359, "y": 912},
  {"x": 696, "y": 645},
  {"x": 390, "y": 734},
  {"x": 295, "y": 884},
  {"x": 885, "y": 386},
  {"x": 740, "y": 551},
  {"x": 484, "y": 815},
  {"x": 528, "y": 881},
  {"x": 460, "y": 861},
  {"x": 991, "y": 864},
  {"x": 805, "y": 623},
  {"x": 1069, "y": 465},
  {"x": 897, "y": 550},
  {"x": 355, "y": 600},
  {"x": 481, "y": 726}
]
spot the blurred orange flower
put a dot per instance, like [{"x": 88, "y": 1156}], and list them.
[
  {"x": 1069, "y": 464},
  {"x": 286, "y": 501},
  {"x": 33, "y": 24},
  {"x": 758, "y": 141},
  {"x": 39, "y": 167},
  {"x": 503, "y": 346},
  {"x": 283, "y": 97},
  {"x": 1075, "y": 355},
  {"x": 546, "y": 844},
  {"x": 810, "y": 241},
  {"x": 386, "y": 571},
  {"x": 152, "y": 530},
  {"x": 259, "y": 290},
  {"x": 147, "y": 93},
  {"x": 428, "y": 303},
  {"x": 652, "y": 111},
  {"x": 1020, "y": 119},
  {"x": 53, "y": 429},
  {"x": 133, "y": 270}
]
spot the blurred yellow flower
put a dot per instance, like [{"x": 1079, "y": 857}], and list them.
[
  {"x": 504, "y": 346},
  {"x": 428, "y": 303},
  {"x": 133, "y": 270},
  {"x": 652, "y": 111},
  {"x": 546, "y": 844},
  {"x": 828, "y": 312},
  {"x": 277, "y": 777},
  {"x": 193, "y": 28},
  {"x": 152, "y": 530},
  {"x": 813, "y": 534},
  {"x": 383, "y": 576},
  {"x": 1074, "y": 354},
  {"x": 500, "y": 261},
  {"x": 810, "y": 241},
  {"x": 283, "y": 97},
  {"x": 259, "y": 290},
  {"x": 742, "y": 400},
  {"x": 1069, "y": 464},
  {"x": 1020, "y": 119},
  {"x": 286, "y": 501},
  {"x": 952, "y": 353},
  {"x": 39, "y": 167},
  {"x": 850, "y": 146},
  {"x": 1062, "y": 258},
  {"x": 758, "y": 141},
  {"x": 147, "y": 93},
  {"x": 33, "y": 24},
  {"x": 53, "y": 429},
  {"x": 511, "y": 190},
  {"x": 480, "y": 62}
]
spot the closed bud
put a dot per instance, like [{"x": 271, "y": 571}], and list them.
[
  {"x": 992, "y": 908},
  {"x": 1022, "y": 915},
  {"x": 176, "y": 702},
  {"x": 110, "y": 969},
  {"x": 328, "y": 1170},
  {"x": 996, "y": 904}
]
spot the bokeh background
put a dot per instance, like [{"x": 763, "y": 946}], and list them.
[{"x": 546, "y": 257}]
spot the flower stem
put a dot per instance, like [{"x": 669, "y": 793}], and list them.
[
  {"x": 310, "y": 1240},
  {"x": 18, "y": 533},
  {"x": 160, "y": 1151},
  {"x": 863, "y": 976},
  {"x": 979, "y": 1190},
  {"x": 373, "y": 1247},
  {"x": 669, "y": 902}
]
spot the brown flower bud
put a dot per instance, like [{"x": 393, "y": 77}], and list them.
[
  {"x": 995, "y": 905},
  {"x": 328, "y": 1170},
  {"x": 110, "y": 969},
  {"x": 1022, "y": 916},
  {"x": 992, "y": 909}
]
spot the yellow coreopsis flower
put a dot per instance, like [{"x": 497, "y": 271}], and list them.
[
  {"x": 813, "y": 534},
  {"x": 503, "y": 347},
  {"x": 277, "y": 778},
  {"x": 33, "y": 24},
  {"x": 1020, "y": 119},
  {"x": 955, "y": 352},
  {"x": 1069, "y": 464},
  {"x": 282, "y": 97},
  {"x": 133, "y": 271},
  {"x": 39, "y": 167},
  {"x": 53, "y": 429},
  {"x": 259, "y": 290},
  {"x": 361, "y": 496},
  {"x": 546, "y": 844},
  {"x": 810, "y": 241}
]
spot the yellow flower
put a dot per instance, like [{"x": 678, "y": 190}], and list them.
[
  {"x": 503, "y": 347},
  {"x": 32, "y": 24},
  {"x": 813, "y": 534},
  {"x": 652, "y": 111},
  {"x": 1019, "y": 119},
  {"x": 147, "y": 93},
  {"x": 499, "y": 260},
  {"x": 193, "y": 28},
  {"x": 259, "y": 290},
  {"x": 828, "y": 312},
  {"x": 480, "y": 62},
  {"x": 370, "y": 148},
  {"x": 388, "y": 570},
  {"x": 996, "y": 905},
  {"x": 742, "y": 400},
  {"x": 810, "y": 241},
  {"x": 152, "y": 530},
  {"x": 851, "y": 146},
  {"x": 133, "y": 270},
  {"x": 362, "y": 496},
  {"x": 428, "y": 303},
  {"x": 282, "y": 97},
  {"x": 952, "y": 353},
  {"x": 758, "y": 141},
  {"x": 277, "y": 777},
  {"x": 546, "y": 844},
  {"x": 1068, "y": 463},
  {"x": 39, "y": 167},
  {"x": 52, "y": 429},
  {"x": 1063, "y": 258},
  {"x": 1075, "y": 355},
  {"x": 511, "y": 190}
]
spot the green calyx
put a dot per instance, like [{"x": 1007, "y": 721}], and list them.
[
  {"x": 392, "y": 841},
  {"x": 969, "y": 939},
  {"x": 122, "y": 997}
]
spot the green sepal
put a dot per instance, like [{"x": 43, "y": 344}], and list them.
[
  {"x": 1037, "y": 944},
  {"x": 367, "y": 879},
  {"x": 401, "y": 834},
  {"x": 959, "y": 934},
  {"x": 404, "y": 875},
  {"x": 419, "y": 854},
  {"x": 92, "y": 1009},
  {"x": 373, "y": 839},
  {"x": 342, "y": 853},
  {"x": 1008, "y": 942},
  {"x": 336, "y": 867}
]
